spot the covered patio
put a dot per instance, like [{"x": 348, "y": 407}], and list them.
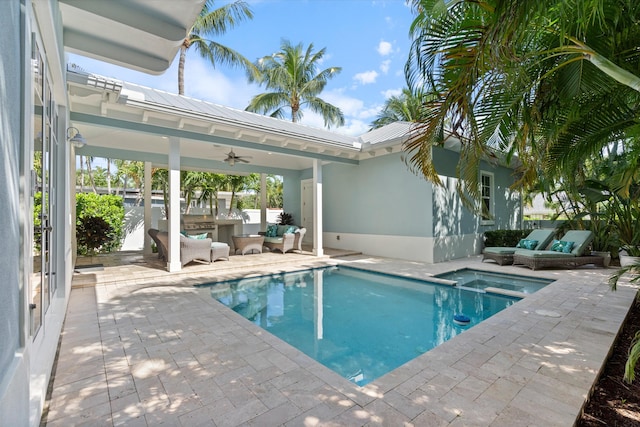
[{"x": 121, "y": 120}]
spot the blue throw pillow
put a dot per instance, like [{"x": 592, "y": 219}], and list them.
[
  {"x": 272, "y": 230},
  {"x": 527, "y": 244},
  {"x": 290, "y": 230},
  {"x": 197, "y": 236},
  {"x": 562, "y": 246}
]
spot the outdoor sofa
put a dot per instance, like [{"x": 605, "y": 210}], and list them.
[
  {"x": 538, "y": 239},
  {"x": 191, "y": 249},
  {"x": 567, "y": 252},
  {"x": 283, "y": 238}
]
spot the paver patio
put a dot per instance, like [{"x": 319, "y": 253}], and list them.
[{"x": 145, "y": 347}]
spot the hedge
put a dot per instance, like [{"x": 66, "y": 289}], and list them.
[
  {"x": 504, "y": 238},
  {"x": 108, "y": 207}
]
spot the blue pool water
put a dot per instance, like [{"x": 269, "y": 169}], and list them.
[
  {"x": 360, "y": 324},
  {"x": 482, "y": 280}
]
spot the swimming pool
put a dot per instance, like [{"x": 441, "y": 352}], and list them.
[
  {"x": 359, "y": 324},
  {"x": 510, "y": 284}
]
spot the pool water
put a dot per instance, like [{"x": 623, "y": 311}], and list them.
[
  {"x": 359, "y": 324},
  {"x": 482, "y": 280}
]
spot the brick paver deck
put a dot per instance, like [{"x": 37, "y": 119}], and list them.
[{"x": 149, "y": 349}]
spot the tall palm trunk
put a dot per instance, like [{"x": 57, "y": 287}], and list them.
[
  {"x": 183, "y": 57},
  {"x": 90, "y": 173},
  {"x": 108, "y": 176},
  {"x": 82, "y": 174}
]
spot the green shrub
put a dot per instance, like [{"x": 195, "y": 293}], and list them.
[
  {"x": 108, "y": 207},
  {"x": 92, "y": 234},
  {"x": 504, "y": 238}
]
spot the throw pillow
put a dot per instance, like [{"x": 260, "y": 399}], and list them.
[
  {"x": 197, "y": 236},
  {"x": 527, "y": 244},
  {"x": 272, "y": 230},
  {"x": 291, "y": 229},
  {"x": 562, "y": 246}
]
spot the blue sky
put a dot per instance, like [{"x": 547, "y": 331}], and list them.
[{"x": 369, "y": 39}]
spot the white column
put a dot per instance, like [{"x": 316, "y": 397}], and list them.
[
  {"x": 173, "y": 263},
  {"x": 317, "y": 208},
  {"x": 147, "y": 207},
  {"x": 263, "y": 201}
]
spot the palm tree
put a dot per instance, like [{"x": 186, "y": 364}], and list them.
[
  {"x": 548, "y": 80},
  {"x": 406, "y": 107},
  {"x": 292, "y": 78},
  {"x": 215, "y": 22}
]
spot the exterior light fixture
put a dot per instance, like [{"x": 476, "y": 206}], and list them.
[{"x": 75, "y": 137}]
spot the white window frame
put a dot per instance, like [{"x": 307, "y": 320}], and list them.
[{"x": 490, "y": 197}]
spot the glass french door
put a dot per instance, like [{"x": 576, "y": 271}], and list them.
[{"x": 43, "y": 202}]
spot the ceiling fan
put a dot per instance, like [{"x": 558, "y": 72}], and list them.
[{"x": 232, "y": 158}]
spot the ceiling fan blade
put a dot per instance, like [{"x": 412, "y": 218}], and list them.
[{"x": 241, "y": 159}]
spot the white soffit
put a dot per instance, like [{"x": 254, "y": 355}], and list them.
[{"x": 139, "y": 34}]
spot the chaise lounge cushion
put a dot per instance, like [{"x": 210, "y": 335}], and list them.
[
  {"x": 551, "y": 258},
  {"x": 504, "y": 255}
]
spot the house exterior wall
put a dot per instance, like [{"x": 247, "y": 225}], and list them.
[
  {"x": 14, "y": 390},
  {"x": 378, "y": 207},
  {"x": 457, "y": 231},
  {"x": 27, "y": 354}
]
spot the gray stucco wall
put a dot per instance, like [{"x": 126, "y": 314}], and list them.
[
  {"x": 379, "y": 196},
  {"x": 452, "y": 218},
  {"x": 10, "y": 137}
]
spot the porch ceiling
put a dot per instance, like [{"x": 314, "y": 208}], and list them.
[
  {"x": 126, "y": 121},
  {"x": 140, "y": 34}
]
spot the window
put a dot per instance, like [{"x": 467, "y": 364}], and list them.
[{"x": 486, "y": 188}]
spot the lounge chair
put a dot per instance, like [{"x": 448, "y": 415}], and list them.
[
  {"x": 504, "y": 255},
  {"x": 190, "y": 249},
  {"x": 287, "y": 238},
  {"x": 567, "y": 252},
  {"x": 153, "y": 233}
]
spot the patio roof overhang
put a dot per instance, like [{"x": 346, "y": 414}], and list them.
[
  {"x": 127, "y": 121},
  {"x": 139, "y": 34}
]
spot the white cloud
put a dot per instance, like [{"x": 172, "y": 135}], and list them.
[
  {"x": 384, "y": 66},
  {"x": 202, "y": 82},
  {"x": 391, "y": 92},
  {"x": 366, "y": 77},
  {"x": 384, "y": 48}
]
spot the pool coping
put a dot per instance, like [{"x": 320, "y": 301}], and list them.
[{"x": 533, "y": 363}]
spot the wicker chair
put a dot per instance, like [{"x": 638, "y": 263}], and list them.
[
  {"x": 285, "y": 242},
  {"x": 190, "y": 249},
  {"x": 504, "y": 255},
  {"x": 153, "y": 233},
  {"x": 576, "y": 258}
]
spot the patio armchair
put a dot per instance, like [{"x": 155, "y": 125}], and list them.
[
  {"x": 538, "y": 239},
  {"x": 285, "y": 238},
  {"x": 153, "y": 233},
  {"x": 567, "y": 252},
  {"x": 190, "y": 249}
]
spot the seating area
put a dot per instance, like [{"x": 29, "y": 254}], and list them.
[
  {"x": 283, "y": 238},
  {"x": 191, "y": 249},
  {"x": 567, "y": 252},
  {"x": 538, "y": 239}
]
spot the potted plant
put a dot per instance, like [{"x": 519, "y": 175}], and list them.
[
  {"x": 602, "y": 229},
  {"x": 626, "y": 224}
]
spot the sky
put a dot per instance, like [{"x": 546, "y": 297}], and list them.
[{"x": 368, "y": 39}]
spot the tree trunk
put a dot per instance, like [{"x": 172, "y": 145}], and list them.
[
  {"x": 90, "y": 173},
  {"x": 183, "y": 57},
  {"x": 108, "y": 176},
  {"x": 82, "y": 174}
]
